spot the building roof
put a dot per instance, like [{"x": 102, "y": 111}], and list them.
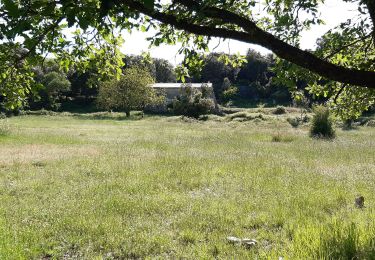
[{"x": 178, "y": 85}]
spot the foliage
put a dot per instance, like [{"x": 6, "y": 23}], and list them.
[
  {"x": 16, "y": 76},
  {"x": 216, "y": 71},
  {"x": 164, "y": 71},
  {"x": 132, "y": 91},
  {"x": 55, "y": 84},
  {"x": 33, "y": 29},
  {"x": 321, "y": 124},
  {"x": 228, "y": 91},
  {"x": 192, "y": 102}
]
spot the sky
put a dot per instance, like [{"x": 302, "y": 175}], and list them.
[{"x": 333, "y": 12}]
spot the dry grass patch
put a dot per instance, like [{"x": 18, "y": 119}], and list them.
[{"x": 36, "y": 153}]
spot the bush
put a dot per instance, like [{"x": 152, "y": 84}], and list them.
[
  {"x": 294, "y": 121},
  {"x": 229, "y": 93},
  {"x": 279, "y": 110},
  {"x": 192, "y": 102},
  {"x": 321, "y": 125}
]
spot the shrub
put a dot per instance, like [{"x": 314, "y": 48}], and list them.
[
  {"x": 321, "y": 125},
  {"x": 192, "y": 102},
  {"x": 229, "y": 93},
  {"x": 294, "y": 121},
  {"x": 279, "y": 110}
]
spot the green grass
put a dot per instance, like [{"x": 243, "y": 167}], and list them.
[{"x": 162, "y": 187}]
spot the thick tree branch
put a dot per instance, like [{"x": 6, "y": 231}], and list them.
[
  {"x": 254, "y": 35},
  {"x": 346, "y": 46}
]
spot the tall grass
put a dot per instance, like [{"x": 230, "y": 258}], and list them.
[
  {"x": 4, "y": 127},
  {"x": 164, "y": 188},
  {"x": 321, "y": 124},
  {"x": 336, "y": 239}
]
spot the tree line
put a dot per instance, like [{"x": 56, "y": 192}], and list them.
[{"x": 251, "y": 82}]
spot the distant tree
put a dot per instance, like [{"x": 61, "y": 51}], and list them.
[
  {"x": 55, "y": 84},
  {"x": 82, "y": 84},
  {"x": 164, "y": 71},
  {"x": 132, "y": 91},
  {"x": 256, "y": 68},
  {"x": 214, "y": 70},
  {"x": 140, "y": 61}
]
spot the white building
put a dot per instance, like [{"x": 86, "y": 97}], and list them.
[{"x": 172, "y": 90}]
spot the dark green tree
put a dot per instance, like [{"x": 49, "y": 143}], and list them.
[{"x": 164, "y": 71}]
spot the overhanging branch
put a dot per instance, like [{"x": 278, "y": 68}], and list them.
[{"x": 254, "y": 35}]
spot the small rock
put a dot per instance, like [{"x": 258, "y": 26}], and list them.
[
  {"x": 249, "y": 242},
  {"x": 234, "y": 240},
  {"x": 359, "y": 202}
]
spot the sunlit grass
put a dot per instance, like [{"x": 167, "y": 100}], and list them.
[{"x": 164, "y": 187}]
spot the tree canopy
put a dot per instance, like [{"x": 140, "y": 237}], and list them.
[
  {"x": 342, "y": 67},
  {"x": 132, "y": 91}
]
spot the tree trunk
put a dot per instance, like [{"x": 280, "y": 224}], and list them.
[{"x": 127, "y": 113}]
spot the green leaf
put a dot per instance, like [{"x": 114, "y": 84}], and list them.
[
  {"x": 149, "y": 3},
  {"x": 12, "y": 7}
]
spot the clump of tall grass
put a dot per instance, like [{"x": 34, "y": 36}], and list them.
[
  {"x": 279, "y": 110},
  {"x": 321, "y": 124},
  {"x": 245, "y": 116},
  {"x": 282, "y": 138},
  {"x": 335, "y": 240},
  {"x": 4, "y": 127},
  {"x": 371, "y": 123}
]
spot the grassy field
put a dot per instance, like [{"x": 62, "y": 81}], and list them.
[{"x": 163, "y": 187}]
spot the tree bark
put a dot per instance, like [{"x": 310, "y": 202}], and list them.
[
  {"x": 371, "y": 9},
  {"x": 255, "y": 35}
]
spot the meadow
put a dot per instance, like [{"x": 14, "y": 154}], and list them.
[{"x": 106, "y": 187}]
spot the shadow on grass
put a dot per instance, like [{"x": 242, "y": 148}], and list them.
[
  {"x": 117, "y": 116},
  {"x": 107, "y": 116}
]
